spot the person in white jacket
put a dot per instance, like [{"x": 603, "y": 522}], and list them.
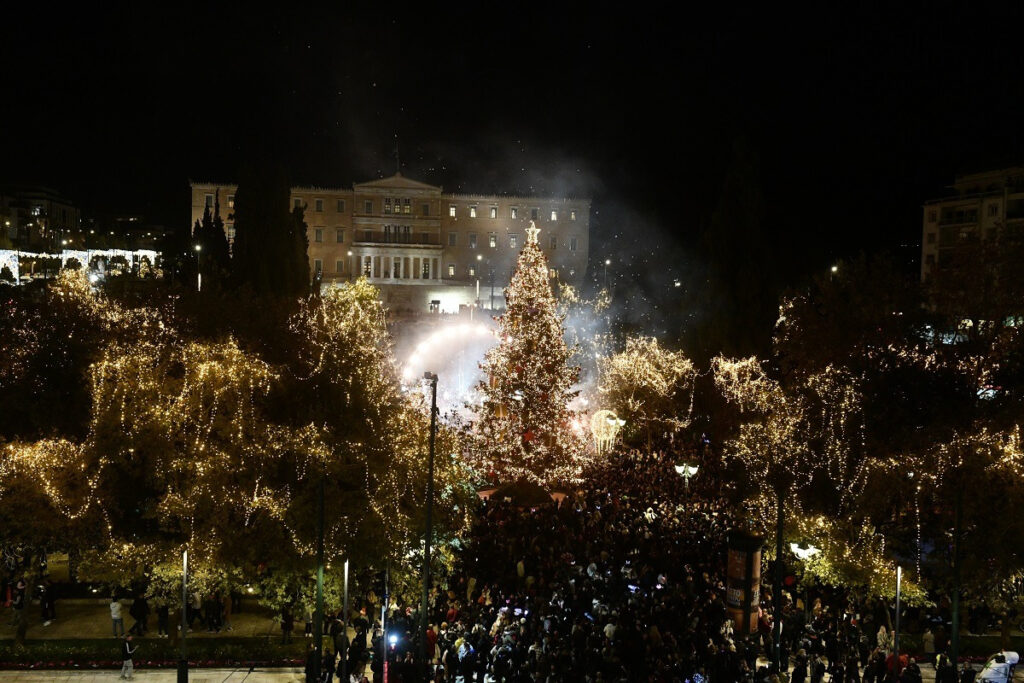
[{"x": 115, "y": 617}]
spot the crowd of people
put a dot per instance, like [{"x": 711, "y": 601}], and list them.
[{"x": 625, "y": 582}]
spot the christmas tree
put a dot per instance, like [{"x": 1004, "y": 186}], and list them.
[{"x": 526, "y": 429}]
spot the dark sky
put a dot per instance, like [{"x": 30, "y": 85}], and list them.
[{"x": 856, "y": 112}]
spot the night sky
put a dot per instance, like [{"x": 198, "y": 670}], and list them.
[{"x": 857, "y": 114}]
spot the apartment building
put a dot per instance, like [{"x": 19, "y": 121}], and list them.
[
  {"x": 424, "y": 248},
  {"x": 980, "y": 205}
]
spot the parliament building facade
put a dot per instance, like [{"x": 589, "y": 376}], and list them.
[{"x": 425, "y": 249}]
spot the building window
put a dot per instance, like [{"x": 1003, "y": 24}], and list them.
[
  {"x": 387, "y": 205},
  {"x": 426, "y": 269},
  {"x": 318, "y": 267},
  {"x": 514, "y": 214},
  {"x": 209, "y": 204},
  {"x": 492, "y": 240},
  {"x": 472, "y": 212},
  {"x": 993, "y": 209},
  {"x": 572, "y": 244},
  {"x": 318, "y": 235},
  {"x": 341, "y": 235},
  {"x": 553, "y": 242},
  {"x": 472, "y": 271},
  {"x": 494, "y": 212},
  {"x": 339, "y": 266},
  {"x": 572, "y": 215},
  {"x": 451, "y": 210},
  {"x": 931, "y": 238},
  {"x": 451, "y": 270},
  {"x": 297, "y": 203},
  {"x": 453, "y": 239},
  {"x": 341, "y": 206},
  {"x": 231, "y": 232},
  {"x": 552, "y": 272},
  {"x": 425, "y": 209},
  {"x": 367, "y": 266},
  {"x": 929, "y": 259},
  {"x": 513, "y": 241},
  {"x": 472, "y": 240},
  {"x": 554, "y": 215},
  {"x": 368, "y": 206},
  {"x": 534, "y": 213},
  {"x": 318, "y": 205},
  {"x": 931, "y": 216},
  {"x": 406, "y": 205},
  {"x": 231, "y": 201}
]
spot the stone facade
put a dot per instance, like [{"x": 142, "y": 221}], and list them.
[{"x": 424, "y": 248}]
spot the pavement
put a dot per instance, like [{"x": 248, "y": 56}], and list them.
[
  {"x": 91, "y": 619},
  {"x": 161, "y": 676}
]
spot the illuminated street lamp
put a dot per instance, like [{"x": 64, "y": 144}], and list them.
[
  {"x": 686, "y": 471},
  {"x": 199, "y": 270},
  {"x": 607, "y": 262},
  {"x": 804, "y": 554}
]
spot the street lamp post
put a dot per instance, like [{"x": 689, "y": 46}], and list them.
[
  {"x": 183, "y": 662},
  {"x": 199, "y": 267},
  {"x": 424, "y": 606},
  {"x": 686, "y": 471},
  {"x": 805, "y": 553},
  {"x": 344, "y": 625},
  {"x": 607, "y": 262},
  {"x": 896, "y": 635}
]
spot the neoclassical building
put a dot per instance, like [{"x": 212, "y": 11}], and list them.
[{"x": 426, "y": 249}]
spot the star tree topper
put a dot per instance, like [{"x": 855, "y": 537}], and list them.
[{"x": 532, "y": 232}]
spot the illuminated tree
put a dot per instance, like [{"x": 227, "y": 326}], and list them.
[
  {"x": 526, "y": 429},
  {"x": 648, "y": 386}
]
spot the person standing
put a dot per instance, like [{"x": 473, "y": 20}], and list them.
[
  {"x": 928, "y": 642},
  {"x": 140, "y": 613},
  {"x": 46, "y": 603},
  {"x": 226, "y": 612},
  {"x": 287, "y": 624},
  {"x": 162, "y": 613},
  {"x": 127, "y": 665},
  {"x": 115, "y": 616}
]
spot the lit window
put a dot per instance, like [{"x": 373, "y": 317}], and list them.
[
  {"x": 425, "y": 209},
  {"x": 552, "y": 272},
  {"x": 318, "y": 266},
  {"x": 341, "y": 235},
  {"x": 534, "y": 213},
  {"x": 318, "y": 205},
  {"x": 553, "y": 242},
  {"x": 554, "y": 215},
  {"x": 368, "y": 266},
  {"x": 451, "y": 270},
  {"x": 209, "y": 205},
  {"x": 572, "y": 244},
  {"x": 406, "y": 206},
  {"x": 339, "y": 266},
  {"x": 513, "y": 241},
  {"x": 514, "y": 213},
  {"x": 368, "y": 206},
  {"x": 231, "y": 201},
  {"x": 387, "y": 205},
  {"x": 492, "y": 240},
  {"x": 426, "y": 269},
  {"x": 318, "y": 235},
  {"x": 494, "y": 212},
  {"x": 572, "y": 215},
  {"x": 297, "y": 203},
  {"x": 472, "y": 240},
  {"x": 472, "y": 212},
  {"x": 472, "y": 271},
  {"x": 452, "y": 239},
  {"x": 451, "y": 210},
  {"x": 341, "y": 206}
]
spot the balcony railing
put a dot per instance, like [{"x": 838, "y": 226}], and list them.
[{"x": 371, "y": 237}]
